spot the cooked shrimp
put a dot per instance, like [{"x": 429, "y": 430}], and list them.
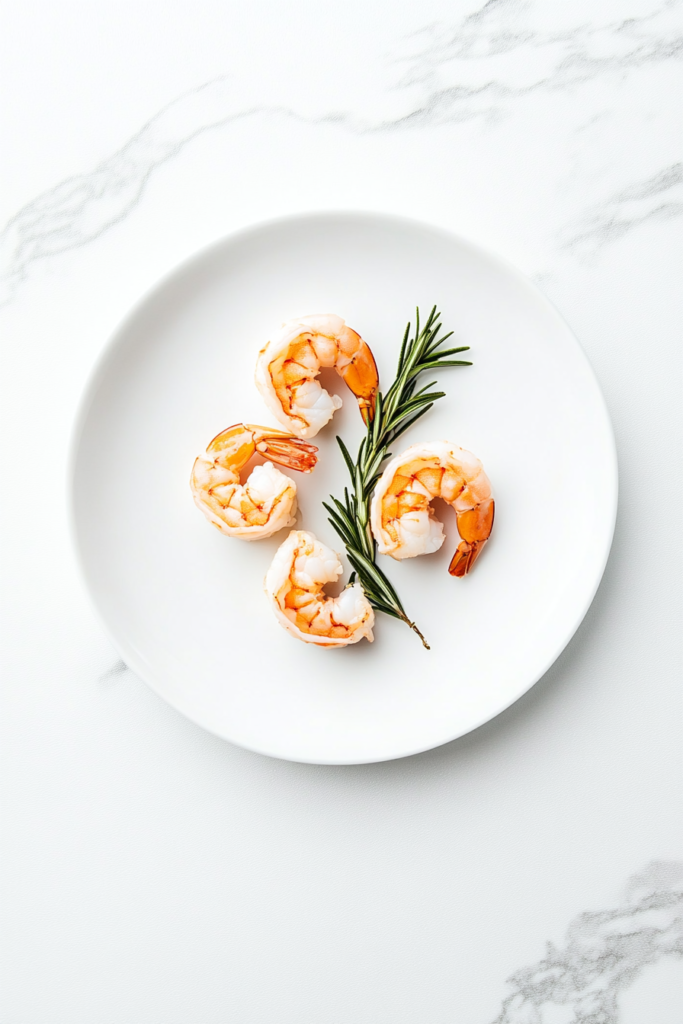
[
  {"x": 266, "y": 502},
  {"x": 294, "y": 583},
  {"x": 401, "y": 515},
  {"x": 289, "y": 363}
]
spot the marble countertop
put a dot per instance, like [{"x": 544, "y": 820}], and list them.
[{"x": 529, "y": 873}]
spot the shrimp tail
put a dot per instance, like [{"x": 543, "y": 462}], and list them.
[
  {"x": 465, "y": 557},
  {"x": 367, "y": 409},
  {"x": 474, "y": 526},
  {"x": 362, "y": 379},
  {"x": 288, "y": 451}
]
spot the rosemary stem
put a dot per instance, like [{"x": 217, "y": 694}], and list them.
[
  {"x": 413, "y": 626},
  {"x": 395, "y": 412}
]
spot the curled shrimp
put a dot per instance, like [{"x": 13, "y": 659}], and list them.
[
  {"x": 294, "y": 584},
  {"x": 266, "y": 502},
  {"x": 289, "y": 363},
  {"x": 401, "y": 514}
]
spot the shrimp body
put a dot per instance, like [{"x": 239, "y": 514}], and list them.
[
  {"x": 288, "y": 365},
  {"x": 294, "y": 584},
  {"x": 401, "y": 514},
  {"x": 266, "y": 502}
]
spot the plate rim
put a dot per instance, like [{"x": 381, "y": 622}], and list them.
[{"x": 98, "y": 371}]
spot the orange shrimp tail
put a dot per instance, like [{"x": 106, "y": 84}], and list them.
[
  {"x": 291, "y": 452},
  {"x": 465, "y": 557},
  {"x": 474, "y": 526},
  {"x": 367, "y": 409},
  {"x": 362, "y": 379}
]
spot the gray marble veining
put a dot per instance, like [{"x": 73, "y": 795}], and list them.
[
  {"x": 80, "y": 209},
  {"x": 112, "y": 674},
  {"x": 604, "y": 952},
  {"x": 509, "y": 53},
  {"x": 478, "y": 67},
  {"x": 659, "y": 197}
]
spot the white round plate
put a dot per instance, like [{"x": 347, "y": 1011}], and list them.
[{"x": 184, "y": 604}]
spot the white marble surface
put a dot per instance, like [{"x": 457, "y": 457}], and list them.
[{"x": 155, "y": 875}]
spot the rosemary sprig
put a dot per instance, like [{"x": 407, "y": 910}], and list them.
[{"x": 395, "y": 412}]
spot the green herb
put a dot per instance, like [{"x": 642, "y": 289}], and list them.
[{"x": 395, "y": 412}]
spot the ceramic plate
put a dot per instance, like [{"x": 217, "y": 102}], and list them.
[{"x": 185, "y": 605}]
